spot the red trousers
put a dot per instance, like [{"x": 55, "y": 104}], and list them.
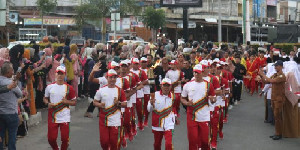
[
  {"x": 247, "y": 83},
  {"x": 127, "y": 121},
  {"x": 133, "y": 125},
  {"x": 177, "y": 103},
  {"x": 253, "y": 85},
  {"x": 198, "y": 134},
  {"x": 146, "y": 100},
  {"x": 110, "y": 136},
  {"x": 53, "y": 132},
  {"x": 226, "y": 108},
  {"x": 140, "y": 110},
  {"x": 215, "y": 125},
  {"x": 158, "y": 136},
  {"x": 222, "y": 113}
]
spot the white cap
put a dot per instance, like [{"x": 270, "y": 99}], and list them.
[
  {"x": 111, "y": 72},
  {"x": 204, "y": 63},
  {"x": 144, "y": 59},
  {"x": 223, "y": 63},
  {"x": 135, "y": 61},
  {"x": 216, "y": 60},
  {"x": 61, "y": 69},
  {"x": 114, "y": 64},
  {"x": 123, "y": 62},
  {"x": 166, "y": 81},
  {"x": 198, "y": 68},
  {"x": 128, "y": 61},
  {"x": 173, "y": 62}
]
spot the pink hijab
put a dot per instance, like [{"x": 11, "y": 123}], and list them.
[
  {"x": 4, "y": 55},
  {"x": 55, "y": 64}
]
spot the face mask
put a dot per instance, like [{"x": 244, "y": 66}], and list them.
[{"x": 48, "y": 57}]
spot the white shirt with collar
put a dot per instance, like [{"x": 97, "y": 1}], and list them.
[{"x": 163, "y": 102}]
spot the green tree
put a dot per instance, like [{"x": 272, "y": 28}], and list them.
[
  {"x": 154, "y": 19},
  {"x": 45, "y": 7},
  {"x": 97, "y": 10}
]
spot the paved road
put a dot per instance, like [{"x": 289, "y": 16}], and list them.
[{"x": 245, "y": 130}]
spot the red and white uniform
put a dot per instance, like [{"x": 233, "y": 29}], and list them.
[
  {"x": 224, "y": 85},
  {"x": 218, "y": 114},
  {"x": 140, "y": 97},
  {"x": 137, "y": 81},
  {"x": 56, "y": 93},
  {"x": 198, "y": 115},
  {"x": 163, "y": 116},
  {"x": 176, "y": 75},
  {"x": 59, "y": 116},
  {"x": 134, "y": 81},
  {"x": 214, "y": 81},
  {"x": 146, "y": 90},
  {"x": 142, "y": 77},
  {"x": 163, "y": 119},
  {"x": 120, "y": 82},
  {"x": 110, "y": 116}
]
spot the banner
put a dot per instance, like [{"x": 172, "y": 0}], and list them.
[
  {"x": 49, "y": 21},
  {"x": 272, "y": 2}
]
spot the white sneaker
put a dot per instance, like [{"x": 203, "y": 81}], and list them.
[
  {"x": 236, "y": 103},
  {"x": 230, "y": 107}
]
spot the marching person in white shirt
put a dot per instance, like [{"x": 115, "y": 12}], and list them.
[
  {"x": 110, "y": 98},
  {"x": 196, "y": 95},
  {"x": 176, "y": 77},
  {"x": 163, "y": 116},
  {"x": 59, "y": 96},
  {"x": 140, "y": 93},
  {"x": 146, "y": 90}
]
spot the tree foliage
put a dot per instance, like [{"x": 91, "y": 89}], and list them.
[
  {"x": 154, "y": 18},
  {"x": 46, "y": 6},
  {"x": 98, "y": 9}
]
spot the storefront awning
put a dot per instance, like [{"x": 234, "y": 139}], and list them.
[{"x": 47, "y": 20}]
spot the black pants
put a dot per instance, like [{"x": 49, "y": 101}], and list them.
[
  {"x": 39, "y": 99},
  {"x": 80, "y": 87},
  {"x": 86, "y": 78},
  {"x": 92, "y": 93},
  {"x": 236, "y": 91}
]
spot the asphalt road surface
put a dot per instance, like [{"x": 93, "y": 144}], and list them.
[{"x": 245, "y": 130}]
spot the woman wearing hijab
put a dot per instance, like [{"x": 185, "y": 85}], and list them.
[
  {"x": 49, "y": 60},
  {"x": 68, "y": 62},
  {"x": 40, "y": 76},
  {"x": 29, "y": 79},
  {"x": 35, "y": 58},
  {"x": 16, "y": 55},
  {"x": 57, "y": 55},
  {"x": 4, "y": 55},
  {"x": 74, "y": 57}
]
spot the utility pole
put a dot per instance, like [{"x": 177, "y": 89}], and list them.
[
  {"x": 244, "y": 22},
  {"x": 185, "y": 24},
  {"x": 219, "y": 23},
  {"x": 296, "y": 13},
  {"x": 248, "y": 37}
]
